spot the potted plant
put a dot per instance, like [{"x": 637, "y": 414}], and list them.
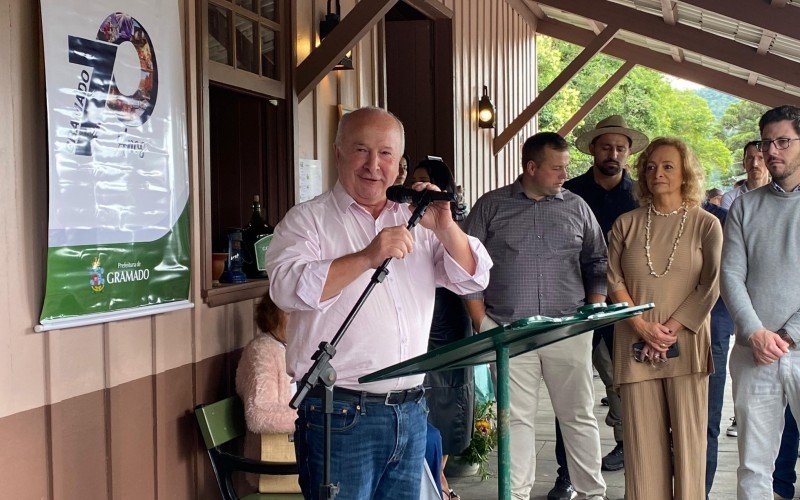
[{"x": 484, "y": 438}]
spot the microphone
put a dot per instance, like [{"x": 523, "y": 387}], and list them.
[{"x": 400, "y": 194}]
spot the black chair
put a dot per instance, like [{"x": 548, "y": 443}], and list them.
[{"x": 220, "y": 423}]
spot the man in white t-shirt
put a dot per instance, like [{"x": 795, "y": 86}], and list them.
[{"x": 757, "y": 174}]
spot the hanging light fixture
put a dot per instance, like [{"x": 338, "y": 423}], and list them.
[
  {"x": 486, "y": 113},
  {"x": 326, "y": 26}
]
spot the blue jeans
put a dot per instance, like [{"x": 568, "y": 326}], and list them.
[
  {"x": 433, "y": 454},
  {"x": 721, "y": 330},
  {"x": 784, "y": 476},
  {"x": 377, "y": 450}
]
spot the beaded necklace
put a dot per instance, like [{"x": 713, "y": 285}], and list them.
[{"x": 650, "y": 211}]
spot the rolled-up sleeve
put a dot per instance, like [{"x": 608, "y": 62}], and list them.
[
  {"x": 475, "y": 227},
  {"x": 455, "y": 278},
  {"x": 594, "y": 256},
  {"x": 296, "y": 271}
]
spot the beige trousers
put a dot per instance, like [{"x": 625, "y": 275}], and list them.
[
  {"x": 566, "y": 368},
  {"x": 650, "y": 409}
]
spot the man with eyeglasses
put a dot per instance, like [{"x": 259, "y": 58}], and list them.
[
  {"x": 760, "y": 282},
  {"x": 757, "y": 175}
]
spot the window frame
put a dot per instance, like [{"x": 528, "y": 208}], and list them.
[{"x": 231, "y": 76}]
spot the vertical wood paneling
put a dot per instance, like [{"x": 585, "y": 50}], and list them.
[
  {"x": 493, "y": 46},
  {"x": 79, "y": 459},
  {"x": 25, "y": 462},
  {"x": 175, "y": 434},
  {"x": 132, "y": 440},
  {"x": 130, "y": 350}
]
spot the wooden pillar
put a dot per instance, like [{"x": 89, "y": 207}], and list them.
[
  {"x": 595, "y": 99},
  {"x": 545, "y": 95}
]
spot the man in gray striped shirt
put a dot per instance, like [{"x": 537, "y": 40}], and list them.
[{"x": 549, "y": 259}]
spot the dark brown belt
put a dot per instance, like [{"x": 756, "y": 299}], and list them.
[{"x": 390, "y": 398}]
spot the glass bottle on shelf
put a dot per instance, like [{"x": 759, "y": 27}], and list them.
[
  {"x": 255, "y": 237},
  {"x": 233, "y": 263}
]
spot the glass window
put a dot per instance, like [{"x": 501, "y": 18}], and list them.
[
  {"x": 269, "y": 9},
  {"x": 246, "y": 49},
  {"x": 247, "y": 4},
  {"x": 218, "y": 34},
  {"x": 269, "y": 53}
]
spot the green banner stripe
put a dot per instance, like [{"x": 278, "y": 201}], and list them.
[{"x": 101, "y": 278}]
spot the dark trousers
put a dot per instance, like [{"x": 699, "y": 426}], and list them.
[
  {"x": 606, "y": 335},
  {"x": 784, "y": 476},
  {"x": 721, "y": 330}
]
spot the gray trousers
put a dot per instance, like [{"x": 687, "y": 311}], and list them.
[
  {"x": 760, "y": 396},
  {"x": 605, "y": 368}
]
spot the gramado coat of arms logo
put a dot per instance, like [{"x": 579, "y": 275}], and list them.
[{"x": 97, "y": 282}]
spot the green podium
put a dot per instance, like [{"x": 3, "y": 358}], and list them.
[{"x": 498, "y": 346}]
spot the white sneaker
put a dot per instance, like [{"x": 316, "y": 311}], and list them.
[{"x": 732, "y": 430}]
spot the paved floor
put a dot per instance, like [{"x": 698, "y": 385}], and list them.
[{"x": 472, "y": 488}]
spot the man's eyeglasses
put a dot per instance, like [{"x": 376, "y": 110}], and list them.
[{"x": 781, "y": 143}]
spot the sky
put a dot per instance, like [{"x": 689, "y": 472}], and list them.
[{"x": 681, "y": 84}]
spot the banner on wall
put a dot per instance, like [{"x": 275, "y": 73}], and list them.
[{"x": 118, "y": 239}]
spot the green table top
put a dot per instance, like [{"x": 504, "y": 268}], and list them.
[{"x": 520, "y": 336}]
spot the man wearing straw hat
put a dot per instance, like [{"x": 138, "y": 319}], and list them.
[{"x": 607, "y": 188}]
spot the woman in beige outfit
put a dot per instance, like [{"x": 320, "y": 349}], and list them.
[{"x": 666, "y": 252}]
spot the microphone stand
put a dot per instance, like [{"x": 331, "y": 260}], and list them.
[{"x": 323, "y": 373}]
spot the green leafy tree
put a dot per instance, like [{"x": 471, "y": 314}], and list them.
[
  {"x": 644, "y": 97},
  {"x": 740, "y": 125}
]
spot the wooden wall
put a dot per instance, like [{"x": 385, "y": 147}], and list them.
[
  {"x": 493, "y": 46},
  {"x": 105, "y": 411}
]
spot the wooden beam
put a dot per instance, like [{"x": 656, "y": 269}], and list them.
[
  {"x": 357, "y": 23},
  {"x": 527, "y": 12},
  {"x": 595, "y": 26},
  {"x": 686, "y": 37},
  {"x": 677, "y": 54},
  {"x": 752, "y": 79},
  {"x": 754, "y": 12},
  {"x": 663, "y": 63},
  {"x": 433, "y": 9},
  {"x": 598, "y": 96},
  {"x": 545, "y": 95},
  {"x": 765, "y": 43},
  {"x": 669, "y": 11},
  {"x": 537, "y": 10}
]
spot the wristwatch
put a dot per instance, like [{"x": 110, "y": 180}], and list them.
[{"x": 784, "y": 335}]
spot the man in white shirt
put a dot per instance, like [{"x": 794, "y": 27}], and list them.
[
  {"x": 321, "y": 259},
  {"x": 757, "y": 174}
]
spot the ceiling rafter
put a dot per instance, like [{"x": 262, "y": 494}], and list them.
[
  {"x": 669, "y": 11},
  {"x": 537, "y": 10},
  {"x": 767, "y": 37},
  {"x": 686, "y": 37},
  {"x": 665, "y": 64},
  {"x": 357, "y": 23},
  {"x": 595, "y": 99},
  {"x": 591, "y": 48},
  {"x": 754, "y": 12},
  {"x": 432, "y": 8},
  {"x": 595, "y": 26},
  {"x": 531, "y": 13}
]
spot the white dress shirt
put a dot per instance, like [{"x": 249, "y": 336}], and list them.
[{"x": 394, "y": 323}]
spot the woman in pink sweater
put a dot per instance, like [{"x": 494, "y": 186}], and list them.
[{"x": 261, "y": 379}]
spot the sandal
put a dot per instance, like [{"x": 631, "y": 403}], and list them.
[{"x": 450, "y": 495}]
